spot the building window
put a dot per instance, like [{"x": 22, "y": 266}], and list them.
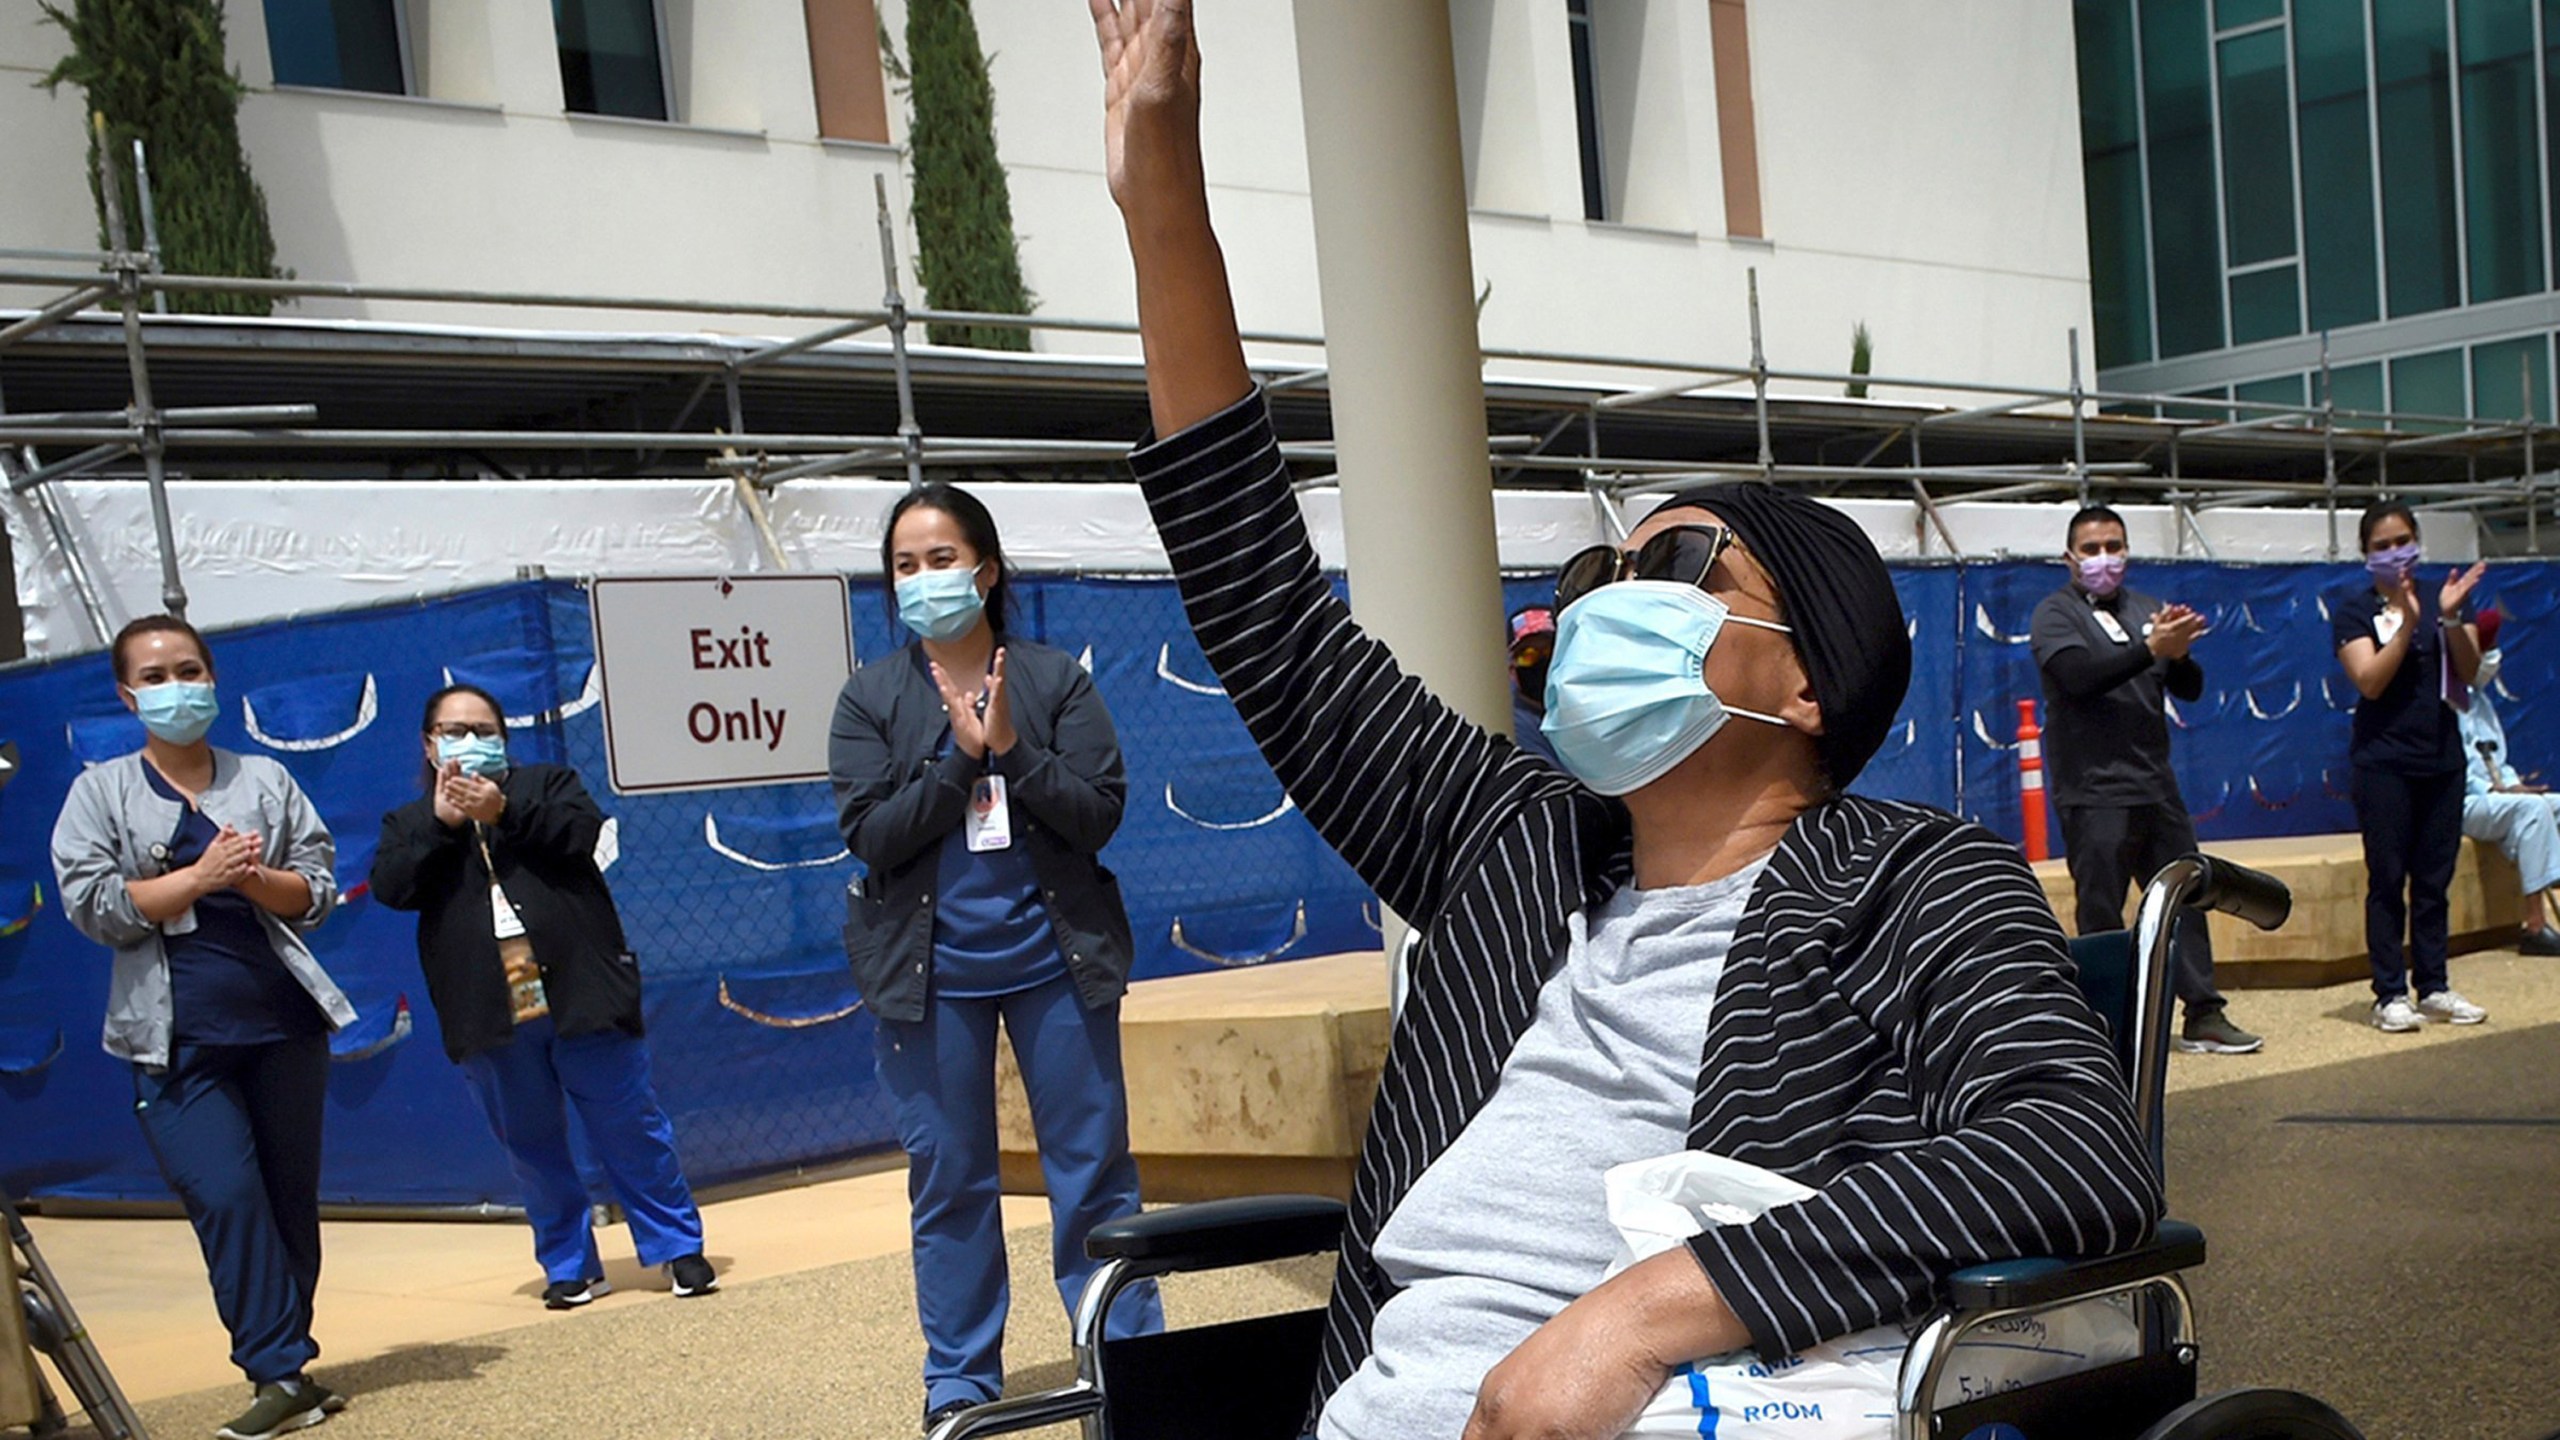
[
  {"x": 612, "y": 58},
  {"x": 2335, "y": 126},
  {"x": 1586, "y": 111},
  {"x": 2429, "y": 384},
  {"x": 844, "y": 68},
  {"x": 2111, "y": 144},
  {"x": 2501, "y": 156},
  {"x": 2186, "y": 240},
  {"x": 2413, "y": 99},
  {"x": 340, "y": 44},
  {"x": 2500, "y": 371}
]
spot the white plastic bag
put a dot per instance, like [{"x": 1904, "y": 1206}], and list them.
[{"x": 1841, "y": 1389}]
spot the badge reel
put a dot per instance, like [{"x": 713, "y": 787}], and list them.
[{"x": 2114, "y": 628}]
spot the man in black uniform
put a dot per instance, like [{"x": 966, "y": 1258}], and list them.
[{"x": 2105, "y": 653}]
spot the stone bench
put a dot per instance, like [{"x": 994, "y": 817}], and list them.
[
  {"x": 1241, "y": 1082},
  {"x": 2323, "y": 942}
]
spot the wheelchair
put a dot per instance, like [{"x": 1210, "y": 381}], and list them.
[{"x": 1250, "y": 1379}]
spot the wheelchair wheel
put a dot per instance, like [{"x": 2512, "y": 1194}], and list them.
[{"x": 2253, "y": 1415}]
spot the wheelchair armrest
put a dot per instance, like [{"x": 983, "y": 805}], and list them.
[
  {"x": 2025, "y": 1284},
  {"x": 1215, "y": 1234}
]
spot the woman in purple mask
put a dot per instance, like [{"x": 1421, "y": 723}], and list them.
[{"x": 2412, "y": 652}]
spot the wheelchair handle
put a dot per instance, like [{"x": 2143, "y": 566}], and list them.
[{"x": 2235, "y": 889}]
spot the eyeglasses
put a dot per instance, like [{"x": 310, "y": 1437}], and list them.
[
  {"x": 1682, "y": 554},
  {"x": 458, "y": 731}
]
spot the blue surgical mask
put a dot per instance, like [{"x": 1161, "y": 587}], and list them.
[
  {"x": 2393, "y": 565},
  {"x": 178, "y": 711},
  {"x": 940, "y": 605},
  {"x": 486, "y": 757},
  {"x": 1627, "y": 695}
]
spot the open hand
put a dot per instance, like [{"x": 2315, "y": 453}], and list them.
[
  {"x": 998, "y": 719},
  {"x": 2404, "y": 598},
  {"x": 968, "y": 728},
  {"x": 2174, "y": 631},
  {"x": 448, "y": 800},
  {"x": 1150, "y": 99},
  {"x": 2457, "y": 588}
]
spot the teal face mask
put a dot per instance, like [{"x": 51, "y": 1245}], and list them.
[
  {"x": 178, "y": 711},
  {"x": 940, "y": 605},
  {"x": 1627, "y": 695},
  {"x": 483, "y": 757}
]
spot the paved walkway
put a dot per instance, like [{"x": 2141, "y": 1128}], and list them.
[{"x": 2407, "y": 1272}]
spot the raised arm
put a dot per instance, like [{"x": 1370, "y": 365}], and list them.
[
  {"x": 1077, "y": 785},
  {"x": 2371, "y": 665},
  {"x": 1393, "y": 779},
  {"x": 886, "y": 823}
]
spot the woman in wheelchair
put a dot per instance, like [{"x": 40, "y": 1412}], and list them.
[{"x": 1691, "y": 936}]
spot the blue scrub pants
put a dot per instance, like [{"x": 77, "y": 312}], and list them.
[
  {"x": 2412, "y": 828},
  {"x": 2527, "y": 828},
  {"x": 236, "y": 1129},
  {"x": 940, "y": 1071},
  {"x": 521, "y": 1086}
]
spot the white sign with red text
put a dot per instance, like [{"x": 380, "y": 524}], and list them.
[{"x": 714, "y": 681}]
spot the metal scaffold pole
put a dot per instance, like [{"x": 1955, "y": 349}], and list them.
[
  {"x": 2079, "y": 422},
  {"x": 2532, "y": 505},
  {"x": 2329, "y": 444},
  {"x": 910, "y": 438},
  {"x": 1759, "y": 374},
  {"x": 146, "y": 416}
]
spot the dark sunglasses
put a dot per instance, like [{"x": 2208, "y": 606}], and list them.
[{"x": 1682, "y": 554}]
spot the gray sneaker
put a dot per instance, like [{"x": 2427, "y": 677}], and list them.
[
  {"x": 2212, "y": 1033},
  {"x": 2396, "y": 1015},
  {"x": 278, "y": 1410},
  {"x": 2450, "y": 1007}
]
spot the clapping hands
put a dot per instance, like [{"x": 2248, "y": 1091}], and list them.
[
  {"x": 2174, "y": 630},
  {"x": 979, "y": 723},
  {"x": 461, "y": 797}
]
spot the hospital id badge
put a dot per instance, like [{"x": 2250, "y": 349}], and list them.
[
  {"x": 504, "y": 922},
  {"x": 990, "y": 822},
  {"x": 2386, "y": 625},
  {"x": 2115, "y": 629}
]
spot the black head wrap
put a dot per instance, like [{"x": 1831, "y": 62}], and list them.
[{"x": 1835, "y": 592}]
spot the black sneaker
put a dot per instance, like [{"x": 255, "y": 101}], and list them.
[
  {"x": 2541, "y": 940},
  {"x": 570, "y": 1294},
  {"x": 692, "y": 1275},
  {"x": 280, "y": 1408},
  {"x": 933, "y": 1418},
  {"x": 2212, "y": 1033},
  {"x": 331, "y": 1402}
]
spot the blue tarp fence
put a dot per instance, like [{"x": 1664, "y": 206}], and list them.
[{"x": 734, "y": 898}]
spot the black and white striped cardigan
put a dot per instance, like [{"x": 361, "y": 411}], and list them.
[{"x": 1896, "y": 1027}]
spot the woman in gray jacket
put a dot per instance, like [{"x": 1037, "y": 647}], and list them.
[
  {"x": 199, "y": 868},
  {"x": 976, "y": 779}
]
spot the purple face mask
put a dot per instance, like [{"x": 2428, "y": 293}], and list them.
[
  {"x": 2100, "y": 575},
  {"x": 2393, "y": 565}
]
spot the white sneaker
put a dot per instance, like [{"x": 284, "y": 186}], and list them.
[
  {"x": 2450, "y": 1007},
  {"x": 2396, "y": 1014}
]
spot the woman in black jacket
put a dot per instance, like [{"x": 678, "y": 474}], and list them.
[
  {"x": 538, "y": 998},
  {"x": 977, "y": 778}
]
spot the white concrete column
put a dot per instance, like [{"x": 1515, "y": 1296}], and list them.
[{"x": 1385, "y": 164}]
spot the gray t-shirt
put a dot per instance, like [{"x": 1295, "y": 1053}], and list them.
[{"x": 1511, "y": 1223}]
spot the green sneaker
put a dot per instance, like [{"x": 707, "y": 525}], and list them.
[
  {"x": 2212, "y": 1033},
  {"x": 279, "y": 1409}
]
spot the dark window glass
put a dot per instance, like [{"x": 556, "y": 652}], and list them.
[
  {"x": 2427, "y": 385},
  {"x": 2265, "y": 305},
  {"x": 2228, "y": 14},
  {"x": 2357, "y": 387},
  {"x": 2215, "y": 413},
  {"x": 2111, "y": 154},
  {"x": 2551, "y": 88},
  {"x": 2337, "y": 163},
  {"x": 2257, "y": 149},
  {"x": 2414, "y": 115},
  {"x": 2186, "y": 253},
  {"x": 609, "y": 58},
  {"x": 1586, "y": 110},
  {"x": 2501, "y": 163},
  {"x": 2282, "y": 390},
  {"x": 2498, "y": 378},
  {"x": 337, "y": 44}
]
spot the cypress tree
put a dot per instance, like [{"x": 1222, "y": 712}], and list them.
[
  {"x": 156, "y": 70},
  {"x": 965, "y": 255}
]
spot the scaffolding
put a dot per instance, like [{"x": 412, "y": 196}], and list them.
[{"x": 2193, "y": 454}]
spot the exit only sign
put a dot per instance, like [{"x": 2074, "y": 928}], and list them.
[{"x": 717, "y": 681}]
